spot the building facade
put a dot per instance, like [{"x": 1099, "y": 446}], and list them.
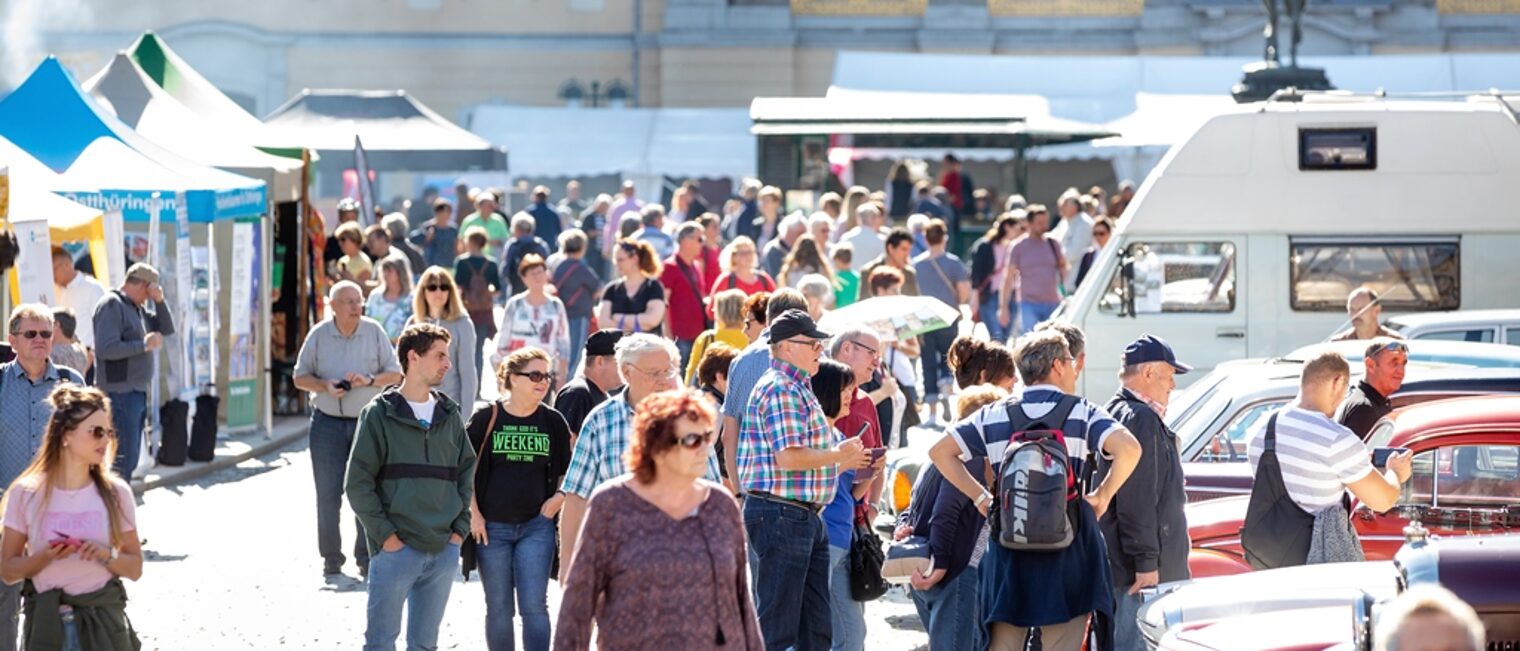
[{"x": 455, "y": 55}]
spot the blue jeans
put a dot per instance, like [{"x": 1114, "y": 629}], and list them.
[
  {"x": 331, "y": 441},
  {"x": 996, "y": 331},
  {"x": 1031, "y": 314},
  {"x": 127, "y": 412},
  {"x": 952, "y": 613},
  {"x": 791, "y": 553},
  {"x": 848, "y": 615},
  {"x": 936, "y": 351},
  {"x": 70, "y": 633},
  {"x": 1126, "y": 621},
  {"x": 418, "y": 580},
  {"x": 515, "y": 563},
  {"x": 578, "y": 334}
]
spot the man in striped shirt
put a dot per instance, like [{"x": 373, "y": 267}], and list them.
[
  {"x": 789, "y": 459},
  {"x": 1321, "y": 459}
]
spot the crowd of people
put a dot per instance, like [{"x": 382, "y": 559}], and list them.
[{"x": 675, "y": 439}]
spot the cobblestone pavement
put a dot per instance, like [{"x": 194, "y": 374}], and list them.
[{"x": 232, "y": 564}]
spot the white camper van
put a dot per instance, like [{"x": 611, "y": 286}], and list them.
[{"x": 1247, "y": 238}]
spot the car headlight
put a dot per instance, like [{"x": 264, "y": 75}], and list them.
[{"x": 902, "y": 491}]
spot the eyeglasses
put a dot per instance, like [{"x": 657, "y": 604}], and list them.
[
  {"x": 536, "y": 377},
  {"x": 863, "y": 347},
  {"x": 34, "y": 334},
  {"x": 695, "y": 440},
  {"x": 672, "y": 372},
  {"x": 437, "y": 288},
  {"x": 812, "y": 344},
  {"x": 102, "y": 432}
]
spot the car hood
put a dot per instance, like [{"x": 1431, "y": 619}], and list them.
[
  {"x": 1217, "y": 518},
  {"x": 1309, "y": 586},
  {"x": 1327, "y": 627}
]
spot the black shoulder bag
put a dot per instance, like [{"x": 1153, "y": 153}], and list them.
[{"x": 1276, "y": 532}]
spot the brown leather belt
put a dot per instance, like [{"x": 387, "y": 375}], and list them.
[{"x": 786, "y": 501}]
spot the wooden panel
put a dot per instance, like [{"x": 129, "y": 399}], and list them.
[
  {"x": 1065, "y": 7},
  {"x": 1478, "y": 6},
  {"x": 859, "y": 7}
]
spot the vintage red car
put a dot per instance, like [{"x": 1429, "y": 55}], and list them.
[{"x": 1466, "y": 481}]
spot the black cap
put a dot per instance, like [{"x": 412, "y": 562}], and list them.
[
  {"x": 1150, "y": 348},
  {"x": 792, "y": 323},
  {"x": 603, "y": 342}
]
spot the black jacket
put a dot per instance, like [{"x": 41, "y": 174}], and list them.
[
  {"x": 1362, "y": 409},
  {"x": 1145, "y": 526}
]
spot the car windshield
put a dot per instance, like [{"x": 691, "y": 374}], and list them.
[
  {"x": 1196, "y": 425},
  {"x": 1182, "y": 402}
]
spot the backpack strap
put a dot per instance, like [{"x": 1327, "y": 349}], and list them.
[
  {"x": 1020, "y": 421},
  {"x": 1269, "y": 444}
]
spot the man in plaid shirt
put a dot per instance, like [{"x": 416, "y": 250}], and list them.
[
  {"x": 788, "y": 459},
  {"x": 648, "y": 366}
]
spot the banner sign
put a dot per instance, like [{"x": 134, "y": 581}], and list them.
[{"x": 242, "y": 359}]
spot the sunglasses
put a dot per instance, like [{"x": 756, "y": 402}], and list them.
[
  {"x": 102, "y": 432},
  {"x": 1395, "y": 346},
  {"x": 437, "y": 288},
  {"x": 696, "y": 439},
  {"x": 35, "y": 334},
  {"x": 536, "y": 377}
]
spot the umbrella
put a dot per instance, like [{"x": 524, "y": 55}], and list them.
[{"x": 894, "y": 317}]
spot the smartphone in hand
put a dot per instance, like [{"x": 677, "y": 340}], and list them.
[{"x": 1380, "y": 456}]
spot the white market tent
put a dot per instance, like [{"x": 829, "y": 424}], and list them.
[
  {"x": 1151, "y": 101},
  {"x": 123, "y": 88},
  {"x": 638, "y": 144}
]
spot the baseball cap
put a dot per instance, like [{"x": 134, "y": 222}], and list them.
[
  {"x": 603, "y": 342},
  {"x": 1150, "y": 348},
  {"x": 142, "y": 272},
  {"x": 792, "y": 323}
]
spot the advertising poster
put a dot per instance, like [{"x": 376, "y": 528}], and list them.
[{"x": 243, "y": 367}]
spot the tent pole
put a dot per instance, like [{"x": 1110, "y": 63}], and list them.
[{"x": 1021, "y": 170}]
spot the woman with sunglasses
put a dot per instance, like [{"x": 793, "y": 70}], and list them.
[
  {"x": 437, "y": 302},
  {"x": 71, "y": 531},
  {"x": 635, "y": 301},
  {"x": 523, "y": 450},
  {"x": 1103, "y": 228},
  {"x": 535, "y": 318},
  {"x": 662, "y": 535}
]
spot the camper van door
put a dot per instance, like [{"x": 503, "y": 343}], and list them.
[{"x": 1187, "y": 290}]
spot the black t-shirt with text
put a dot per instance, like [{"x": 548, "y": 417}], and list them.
[{"x": 522, "y": 463}]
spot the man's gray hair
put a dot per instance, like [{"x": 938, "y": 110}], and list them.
[
  {"x": 332, "y": 292},
  {"x": 1036, "y": 354},
  {"x": 633, "y": 347},
  {"x": 1131, "y": 371},
  {"x": 523, "y": 224},
  {"x": 1076, "y": 342},
  {"x": 1015, "y": 202},
  {"x": 848, "y": 335},
  {"x": 1424, "y": 601},
  {"x": 815, "y": 285},
  {"x": 572, "y": 241},
  {"x": 602, "y": 198},
  {"x": 688, "y": 229},
  {"x": 867, "y": 209},
  {"x": 1071, "y": 195},
  {"x": 820, "y": 217},
  {"x": 917, "y": 222},
  {"x": 791, "y": 222},
  {"x": 651, "y": 214},
  {"x": 397, "y": 225},
  {"x": 33, "y": 311}
]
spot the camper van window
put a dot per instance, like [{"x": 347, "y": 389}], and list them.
[
  {"x": 1480, "y": 335},
  {"x": 1409, "y": 275},
  {"x": 1176, "y": 277},
  {"x": 1337, "y": 149}
]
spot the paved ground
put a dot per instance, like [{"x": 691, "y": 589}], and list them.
[{"x": 232, "y": 564}]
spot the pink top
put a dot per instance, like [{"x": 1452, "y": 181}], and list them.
[{"x": 77, "y": 513}]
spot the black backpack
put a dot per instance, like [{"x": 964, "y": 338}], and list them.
[
  {"x": 1033, "y": 508},
  {"x": 1277, "y": 531}
]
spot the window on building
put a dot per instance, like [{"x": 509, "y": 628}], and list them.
[
  {"x": 1174, "y": 277},
  {"x": 1409, "y": 275}
]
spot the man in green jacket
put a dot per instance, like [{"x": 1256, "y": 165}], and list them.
[{"x": 409, "y": 480}]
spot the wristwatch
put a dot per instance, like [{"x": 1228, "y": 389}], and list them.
[
  {"x": 115, "y": 554},
  {"x": 984, "y": 497}
]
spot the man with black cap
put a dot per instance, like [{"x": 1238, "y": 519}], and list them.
[
  {"x": 1145, "y": 526},
  {"x": 598, "y": 379},
  {"x": 789, "y": 460}
]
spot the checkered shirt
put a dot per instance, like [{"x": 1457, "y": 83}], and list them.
[
  {"x": 783, "y": 413},
  {"x": 601, "y": 451}
]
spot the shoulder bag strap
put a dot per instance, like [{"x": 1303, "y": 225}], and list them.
[
  {"x": 566, "y": 275},
  {"x": 1269, "y": 444},
  {"x": 942, "y": 275}
]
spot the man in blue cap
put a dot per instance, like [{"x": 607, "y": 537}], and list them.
[{"x": 1145, "y": 526}]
